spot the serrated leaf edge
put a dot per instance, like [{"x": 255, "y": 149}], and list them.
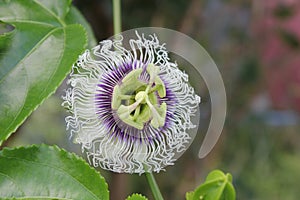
[
  {"x": 136, "y": 195},
  {"x": 55, "y": 88},
  {"x": 58, "y": 149}
]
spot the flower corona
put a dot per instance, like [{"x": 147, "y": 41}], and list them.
[{"x": 130, "y": 108}]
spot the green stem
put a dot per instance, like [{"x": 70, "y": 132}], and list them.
[
  {"x": 117, "y": 16},
  {"x": 154, "y": 187}
]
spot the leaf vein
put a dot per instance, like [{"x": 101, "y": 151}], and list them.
[
  {"x": 30, "y": 52},
  {"x": 28, "y": 22},
  {"x": 12, "y": 180},
  {"x": 23, "y": 102},
  {"x": 53, "y": 14},
  {"x": 58, "y": 169},
  {"x": 59, "y": 61}
]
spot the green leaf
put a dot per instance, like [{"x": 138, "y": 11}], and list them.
[
  {"x": 36, "y": 56},
  {"x": 217, "y": 186},
  {"x": 5, "y": 38},
  {"x": 136, "y": 197},
  {"x": 45, "y": 172},
  {"x": 73, "y": 17}
]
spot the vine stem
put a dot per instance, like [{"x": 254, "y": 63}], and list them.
[
  {"x": 154, "y": 187},
  {"x": 117, "y": 16}
]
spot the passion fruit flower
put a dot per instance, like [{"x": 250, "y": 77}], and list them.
[{"x": 130, "y": 108}]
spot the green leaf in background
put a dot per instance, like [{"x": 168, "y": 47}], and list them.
[
  {"x": 43, "y": 172},
  {"x": 189, "y": 195},
  {"x": 74, "y": 17},
  {"x": 136, "y": 197},
  {"x": 36, "y": 56},
  {"x": 217, "y": 186}
]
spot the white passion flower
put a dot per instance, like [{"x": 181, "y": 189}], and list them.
[{"x": 130, "y": 108}]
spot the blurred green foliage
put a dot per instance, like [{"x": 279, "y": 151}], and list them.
[
  {"x": 264, "y": 160},
  {"x": 217, "y": 186}
]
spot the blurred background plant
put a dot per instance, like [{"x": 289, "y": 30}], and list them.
[{"x": 255, "y": 44}]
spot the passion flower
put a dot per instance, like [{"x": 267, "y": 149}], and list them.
[{"x": 130, "y": 108}]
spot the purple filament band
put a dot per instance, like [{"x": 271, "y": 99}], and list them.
[{"x": 116, "y": 127}]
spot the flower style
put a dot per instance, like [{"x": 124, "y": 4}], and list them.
[{"x": 130, "y": 109}]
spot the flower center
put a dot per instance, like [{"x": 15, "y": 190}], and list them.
[{"x": 136, "y": 101}]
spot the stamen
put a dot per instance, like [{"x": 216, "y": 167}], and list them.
[
  {"x": 153, "y": 72},
  {"x": 146, "y": 106}
]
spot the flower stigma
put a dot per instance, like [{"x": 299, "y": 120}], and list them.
[{"x": 135, "y": 100}]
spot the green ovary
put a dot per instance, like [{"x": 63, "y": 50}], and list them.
[{"x": 136, "y": 102}]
